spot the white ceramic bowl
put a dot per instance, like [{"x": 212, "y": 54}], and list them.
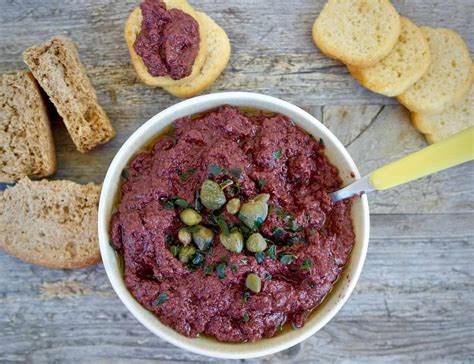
[{"x": 206, "y": 345}]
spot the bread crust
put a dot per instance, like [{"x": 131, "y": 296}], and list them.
[
  {"x": 57, "y": 67},
  {"x": 217, "y": 59},
  {"x": 23, "y": 85},
  {"x": 51, "y": 223},
  {"x": 132, "y": 28}
]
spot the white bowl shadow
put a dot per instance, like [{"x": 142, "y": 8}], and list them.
[{"x": 204, "y": 345}]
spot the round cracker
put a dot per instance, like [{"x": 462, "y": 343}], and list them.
[
  {"x": 357, "y": 32},
  {"x": 406, "y": 63},
  {"x": 218, "y": 46},
  {"x": 132, "y": 29}
]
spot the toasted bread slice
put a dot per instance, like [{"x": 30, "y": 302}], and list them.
[
  {"x": 357, "y": 32},
  {"x": 50, "y": 223},
  {"x": 406, "y": 63},
  {"x": 59, "y": 71},
  {"x": 218, "y": 48},
  {"x": 448, "y": 78},
  {"x": 454, "y": 119},
  {"x": 26, "y": 142},
  {"x": 132, "y": 29}
]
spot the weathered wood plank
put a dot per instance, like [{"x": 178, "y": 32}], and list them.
[
  {"x": 414, "y": 301},
  {"x": 415, "y": 293}
]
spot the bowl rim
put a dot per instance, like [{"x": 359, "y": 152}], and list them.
[{"x": 108, "y": 253}]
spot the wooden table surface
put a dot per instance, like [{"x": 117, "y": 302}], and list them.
[{"x": 415, "y": 297}]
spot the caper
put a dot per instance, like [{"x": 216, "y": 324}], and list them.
[
  {"x": 203, "y": 237},
  {"x": 256, "y": 243},
  {"x": 254, "y": 212},
  {"x": 184, "y": 236},
  {"x": 186, "y": 252},
  {"x": 233, "y": 206},
  {"x": 253, "y": 282},
  {"x": 263, "y": 197},
  {"x": 212, "y": 195},
  {"x": 190, "y": 217},
  {"x": 234, "y": 241}
]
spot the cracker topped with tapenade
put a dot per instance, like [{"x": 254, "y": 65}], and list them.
[{"x": 169, "y": 46}]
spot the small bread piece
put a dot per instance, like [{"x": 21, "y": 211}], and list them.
[
  {"x": 59, "y": 71},
  {"x": 132, "y": 29},
  {"x": 454, "y": 119},
  {"x": 357, "y": 32},
  {"x": 448, "y": 77},
  {"x": 406, "y": 63},
  {"x": 50, "y": 223},
  {"x": 218, "y": 48},
  {"x": 26, "y": 143}
]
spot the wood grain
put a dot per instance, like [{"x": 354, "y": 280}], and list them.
[{"x": 415, "y": 299}]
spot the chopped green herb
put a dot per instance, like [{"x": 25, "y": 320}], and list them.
[
  {"x": 307, "y": 264},
  {"x": 293, "y": 226},
  {"x": 224, "y": 258},
  {"x": 277, "y": 232},
  {"x": 321, "y": 141},
  {"x": 197, "y": 259},
  {"x": 271, "y": 252},
  {"x": 268, "y": 276},
  {"x": 222, "y": 224},
  {"x": 246, "y": 296},
  {"x": 124, "y": 173},
  {"x": 168, "y": 204},
  {"x": 260, "y": 183},
  {"x": 169, "y": 238},
  {"x": 295, "y": 239},
  {"x": 280, "y": 327},
  {"x": 181, "y": 203},
  {"x": 215, "y": 170},
  {"x": 193, "y": 229},
  {"x": 258, "y": 222},
  {"x": 281, "y": 213},
  {"x": 174, "y": 249},
  {"x": 208, "y": 269},
  {"x": 236, "y": 172},
  {"x": 287, "y": 258},
  {"x": 220, "y": 270},
  {"x": 259, "y": 256},
  {"x": 183, "y": 177},
  {"x": 233, "y": 268},
  {"x": 312, "y": 285},
  {"x": 162, "y": 297},
  {"x": 277, "y": 154},
  {"x": 246, "y": 317}
]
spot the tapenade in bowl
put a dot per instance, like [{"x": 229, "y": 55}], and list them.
[{"x": 217, "y": 231}]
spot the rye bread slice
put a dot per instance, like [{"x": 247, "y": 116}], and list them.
[
  {"x": 61, "y": 74},
  {"x": 50, "y": 223},
  {"x": 26, "y": 143}
]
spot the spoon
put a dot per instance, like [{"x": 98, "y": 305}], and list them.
[{"x": 445, "y": 154}]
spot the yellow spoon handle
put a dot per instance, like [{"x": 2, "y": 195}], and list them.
[{"x": 447, "y": 153}]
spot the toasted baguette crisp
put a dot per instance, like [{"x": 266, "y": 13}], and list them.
[
  {"x": 26, "y": 142},
  {"x": 448, "y": 78},
  {"x": 218, "y": 54},
  {"x": 59, "y": 71},
  {"x": 50, "y": 223},
  {"x": 406, "y": 63},
  {"x": 132, "y": 29},
  {"x": 357, "y": 32},
  {"x": 454, "y": 119}
]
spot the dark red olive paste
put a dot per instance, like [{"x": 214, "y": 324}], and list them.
[
  {"x": 168, "y": 42},
  {"x": 309, "y": 238}
]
